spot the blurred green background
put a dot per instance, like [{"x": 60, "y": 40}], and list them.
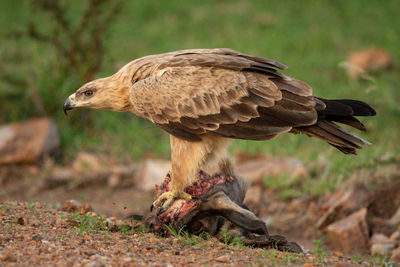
[{"x": 311, "y": 37}]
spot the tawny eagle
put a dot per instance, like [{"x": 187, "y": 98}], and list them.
[{"x": 205, "y": 97}]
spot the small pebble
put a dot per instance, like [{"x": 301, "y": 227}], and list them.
[
  {"x": 223, "y": 258},
  {"x": 381, "y": 249},
  {"x": 21, "y": 221},
  {"x": 8, "y": 256},
  {"x": 337, "y": 254}
]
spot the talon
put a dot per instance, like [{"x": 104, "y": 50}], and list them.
[{"x": 166, "y": 199}]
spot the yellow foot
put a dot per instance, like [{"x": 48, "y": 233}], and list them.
[{"x": 167, "y": 198}]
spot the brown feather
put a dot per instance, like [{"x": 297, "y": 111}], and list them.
[{"x": 223, "y": 92}]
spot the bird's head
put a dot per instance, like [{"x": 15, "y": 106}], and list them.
[{"x": 106, "y": 94}]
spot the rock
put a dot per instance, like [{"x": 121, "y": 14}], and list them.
[
  {"x": 71, "y": 205},
  {"x": 395, "y": 255},
  {"x": 90, "y": 252},
  {"x": 343, "y": 264},
  {"x": 253, "y": 196},
  {"x": 114, "y": 180},
  {"x": 223, "y": 258},
  {"x": 351, "y": 233},
  {"x": 386, "y": 202},
  {"x": 395, "y": 238},
  {"x": 359, "y": 63},
  {"x": 151, "y": 173},
  {"x": 379, "y": 225},
  {"x": 20, "y": 221},
  {"x": 256, "y": 169},
  {"x": 26, "y": 142},
  {"x": 381, "y": 249},
  {"x": 337, "y": 254},
  {"x": 97, "y": 263},
  {"x": 358, "y": 196},
  {"x": 379, "y": 238},
  {"x": 74, "y": 205},
  {"x": 395, "y": 219},
  {"x": 112, "y": 224},
  {"x": 8, "y": 256},
  {"x": 85, "y": 162}
]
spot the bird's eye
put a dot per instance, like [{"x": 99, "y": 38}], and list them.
[{"x": 88, "y": 92}]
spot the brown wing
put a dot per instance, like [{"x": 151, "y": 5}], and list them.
[{"x": 228, "y": 94}]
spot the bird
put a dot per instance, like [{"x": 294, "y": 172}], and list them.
[{"x": 204, "y": 98}]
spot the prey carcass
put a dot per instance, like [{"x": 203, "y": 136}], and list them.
[{"x": 217, "y": 209}]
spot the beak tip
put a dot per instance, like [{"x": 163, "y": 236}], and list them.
[{"x": 68, "y": 104}]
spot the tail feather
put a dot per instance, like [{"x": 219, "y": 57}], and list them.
[
  {"x": 341, "y": 111},
  {"x": 348, "y": 120}
]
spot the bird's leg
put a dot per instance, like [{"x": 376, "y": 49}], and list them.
[{"x": 186, "y": 158}]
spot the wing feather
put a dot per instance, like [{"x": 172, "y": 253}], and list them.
[{"x": 222, "y": 92}]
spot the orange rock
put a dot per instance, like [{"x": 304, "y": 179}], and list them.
[
  {"x": 381, "y": 249},
  {"x": 379, "y": 238},
  {"x": 395, "y": 255},
  {"x": 344, "y": 203},
  {"x": 337, "y": 254},
  {"x": 364, "y": 61},
  {"x": 85, "y": 162},
  {"x": 343, "y": 264},
  {"x": 150, "y": 173},
  {"x": 395, "y": 238},
  {"x": 71, "y": 205},
  {"x": 351, "y": 233},
  {"x": 255, "y": 169},
  {"x": 253, "y": 195},
  {"x": 26, "y": 142},
  {"x": 223, "y": 258},
  {"x": 114, "y": 219}
]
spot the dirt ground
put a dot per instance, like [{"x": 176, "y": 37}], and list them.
[
  {"x": 35, "y": 230},
  {"x": 39, "y": 234}
]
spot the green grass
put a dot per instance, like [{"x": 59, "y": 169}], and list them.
[
  {"x": 87, "y": 224},
  {"x": 183, "y": 235},
  {"x": 311, "y": 37}
]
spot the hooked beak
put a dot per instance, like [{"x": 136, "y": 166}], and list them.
[{"x": 69, "y": 104}]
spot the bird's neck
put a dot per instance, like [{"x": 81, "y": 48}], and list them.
[{"x": 120, "y": 86}]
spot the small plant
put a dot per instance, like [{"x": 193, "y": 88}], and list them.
[
  {"x": 183, "y": 235},
  {"x": 355, "y": 258},
  {"x": 125, "y": 229},
  {"x": 30, "y": 206},
  {"x": 225, "y": 236},
  {"x": 272, "y": 257},
  {"x": 88, "y": 224},
  {"x": 6, "y": 208},
  {"x": 318, "y": 250},
  {"x": 292, "y": 258},
  {"x": 380, "y": 260},
  {"x": 237, "y": 241},
  {"x": 142, "y": 229},
  {"x": 288, "y": 258},
  {"x": 260, "y": 260}
]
